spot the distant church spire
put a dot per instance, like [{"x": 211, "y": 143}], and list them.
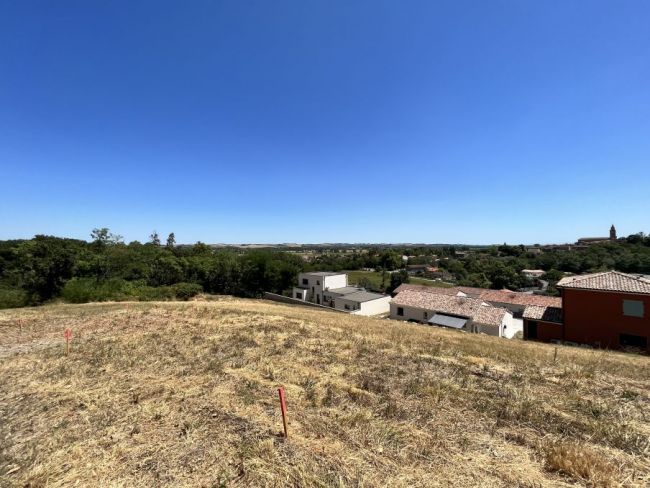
[{"x": 612, "y": 233}]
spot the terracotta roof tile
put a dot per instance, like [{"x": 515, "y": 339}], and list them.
[
  {"x": 429, "y": 289},
  {"x": 489, "y": 315},
  {"x": 607, "y": 281},
  {"x": 545, "y": 314},
  {"x": 499, "y": 296},
  {"x": 471, "y": 308},
  {"x": 518, "y": 298}
]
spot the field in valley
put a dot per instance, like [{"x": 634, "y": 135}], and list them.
[
  {"x": 376, "y": 278},
  {"x": 185, "y": 394}
]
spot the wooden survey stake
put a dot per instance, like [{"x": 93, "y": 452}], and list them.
[
  {"x": 68, "y": 335},
  {"x": 283, "y": 408}
]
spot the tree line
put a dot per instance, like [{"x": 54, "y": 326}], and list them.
[{"x": 38, "y": 270}]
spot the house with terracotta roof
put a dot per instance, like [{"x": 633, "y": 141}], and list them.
[
  {"x": 446, "y": 309},
  {"x": 514, "y": 301},
  {"x": 608, "y": 310}
]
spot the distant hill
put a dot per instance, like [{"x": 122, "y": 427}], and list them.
[{"x": 184, "y": 394}]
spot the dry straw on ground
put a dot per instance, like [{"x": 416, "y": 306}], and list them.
[{"x": 185, "y": 395}]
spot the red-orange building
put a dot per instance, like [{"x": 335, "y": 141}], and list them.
[{"x": 609, "y": 310}]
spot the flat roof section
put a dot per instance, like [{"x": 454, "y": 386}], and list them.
[
  {"x": 345, "y": 290},
  {"x": 362, "y": 296},
  {"x": 448, "y": 321}
]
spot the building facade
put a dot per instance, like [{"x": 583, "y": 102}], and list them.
[
  {"x": 331, "y": 290},
  {"x": 312, "y": 285},
  {"x": 458, "y": 312},
  {"x": 606, "y": 310}
]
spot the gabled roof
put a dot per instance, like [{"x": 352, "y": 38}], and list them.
[
  {"x": 462, "y": 306},
  {"x": 518, "y": 298},
  {"x": 490, "y": 315},
  {"x": 467, "y": 307},
  {"x": 428, "y": 289},
  {"x": 499, "y": 296},
  {"x": 607, "y": 281},
  {"x": 545, "y": 314}
]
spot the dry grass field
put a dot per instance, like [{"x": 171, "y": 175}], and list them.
[{"x": 184, "y": 394}]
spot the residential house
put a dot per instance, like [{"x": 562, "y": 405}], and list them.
[
  {"x": 448, "y": 310},
  {"x": 311, "y": 285},
  {"x": 331, "y": 290},
  {"x": 533, "y": 274},
  {"x": 608, "y": 310},
  {"x": 514, "y": 301}
]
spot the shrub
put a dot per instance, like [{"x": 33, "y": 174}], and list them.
[
  {"x": 185, "y": 291},
  {"x": 13, "y": 298},
  {"x": 82, "y": 290},
  {"x": 153, "y": 294}
]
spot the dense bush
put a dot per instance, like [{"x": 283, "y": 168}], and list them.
[
  {"x": 13, "y": 298},
  {"x": 82, "y": 290},
  {"x": 185, "y": 291}
]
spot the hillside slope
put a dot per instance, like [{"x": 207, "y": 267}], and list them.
[{"x": 184, "y": 394}]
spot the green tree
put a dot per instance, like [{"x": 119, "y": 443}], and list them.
[
  {"x": 397, "y": 279},
  {"x": 171, "y": 241},
  {"x": 154, "y": 238},
  {"x": 46, "y": 263},
  {"x": 390, "y": 260},
  {"x": 364, "y": 282}
]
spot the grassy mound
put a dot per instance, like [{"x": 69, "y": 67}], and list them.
[{"x": 184, "y": 394}]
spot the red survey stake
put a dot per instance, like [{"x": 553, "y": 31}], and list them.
[
  {"x": 283, "y": 408},
  {"x": 68, "y": 335}
]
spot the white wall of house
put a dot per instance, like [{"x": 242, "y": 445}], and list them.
[
  {"x": 423, "y": 315},
  {"x": 336, "y": 281},
  {"x": 515, "y": 325},
  {"x": 315, "y": 284},
  {"x": 374, "y": 307},
  {"x": 410, "y": 313},
  {"x": 299, "y": 293}
]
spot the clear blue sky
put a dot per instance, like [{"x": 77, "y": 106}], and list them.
[{"x": 304, "y": 121}]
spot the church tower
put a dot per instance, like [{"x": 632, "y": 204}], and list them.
[{"x": 612, "y": 233}]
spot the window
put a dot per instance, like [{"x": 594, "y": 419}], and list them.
[
  {"x": 633, "y": 308},
  {"x": 317, "y": 282},
  {"x": 298, "y": 295},
  {"x": 629, "y": 340},
  {"x": 347, "y": 307},
  {"x": 305, "y": 281},
  {"x": 400, "y": 311},
  {"x": 426, "y": 315}
]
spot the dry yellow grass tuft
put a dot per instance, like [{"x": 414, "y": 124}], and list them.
[{"x": 184, "y": 394}]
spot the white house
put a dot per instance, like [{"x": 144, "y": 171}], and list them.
[
  {"x": 446, "y": 310},
  {"x": 363, "y": 302},
  {"x": 533, "y": 273},
  {"x": 332, "y": 290},
  {"x": 312, "y": 285}
]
